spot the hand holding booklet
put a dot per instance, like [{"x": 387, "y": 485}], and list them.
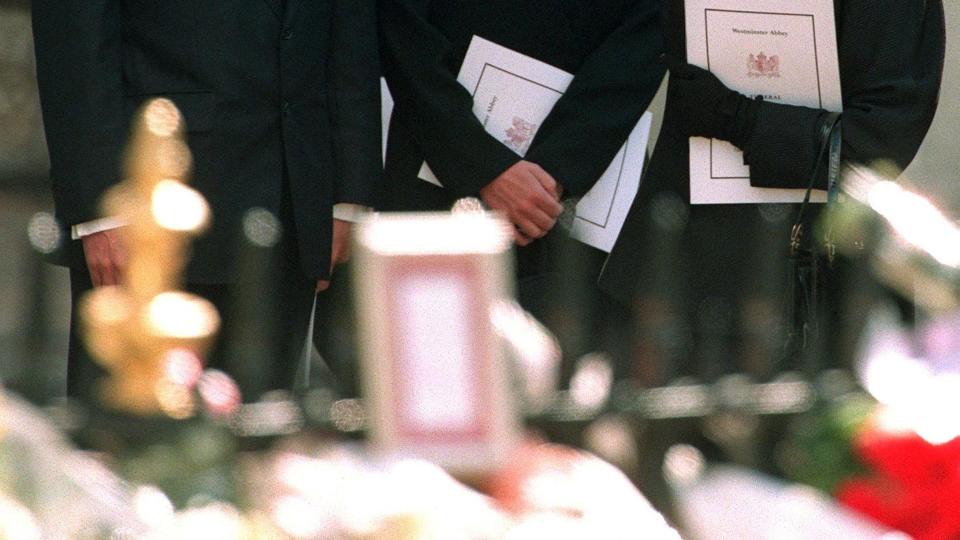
[
  {"x": 782, "y": 50},
  {"x": 512, "y": 95}
]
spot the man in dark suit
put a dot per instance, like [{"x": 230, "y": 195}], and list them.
[
  {"x": 610, "y": 46},
  {"x": 281, "y": 102},
  {"x": 891, "y": 66},
  {"x": 709, "y": 282}
]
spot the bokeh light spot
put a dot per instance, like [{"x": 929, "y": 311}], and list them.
[
  {"x": 183, "y": 367},
  {"x": 348, "y": 415},
  {"x": 176, "y": 400},
  {"x": 178, "y": 207},
  {"x": 468, "y": 205},
  {"x": 181, "y": 315},
  {"x": 219, "y": 393},
  {"x": 261, "y": 228},
  {"x": 44, "y": 233},
  {"x": 683, "y": 464},
  {"x": 162, "y": 118}
]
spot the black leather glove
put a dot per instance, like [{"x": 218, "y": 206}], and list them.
[{"x": 706, "y": 107}]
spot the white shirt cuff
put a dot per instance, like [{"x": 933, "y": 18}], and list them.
[
  {"x": 350, "y": 212},
  {"x": 80, "y": 230},
  {"x": 342, "y": 211}
]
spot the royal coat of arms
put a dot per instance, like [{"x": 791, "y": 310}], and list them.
[
  {"x": 762, "y": 65},
  {"x": 520, "y": 135}
]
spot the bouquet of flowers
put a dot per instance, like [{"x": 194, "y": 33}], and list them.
[{"x": 893, "y": 453}]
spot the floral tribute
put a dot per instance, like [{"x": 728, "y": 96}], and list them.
[{"x": 912, "y": 485}]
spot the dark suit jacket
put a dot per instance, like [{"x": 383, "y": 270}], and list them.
[
  {"x": 263, "y": 91},
  {"x": 611, "y": 46},
  {"x": 891, "y": 62}
]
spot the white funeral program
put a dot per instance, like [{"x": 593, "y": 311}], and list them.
[
  {"x": 512, "y": 95},
  {"x": 783, "y": 50}
]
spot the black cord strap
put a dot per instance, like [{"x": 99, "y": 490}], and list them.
[{"x": 804, "y": 285}]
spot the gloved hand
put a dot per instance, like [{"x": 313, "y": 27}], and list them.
[{"x": 706, "y": 107}]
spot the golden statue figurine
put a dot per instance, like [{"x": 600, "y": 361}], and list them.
[{"x": 141, "y": 328}]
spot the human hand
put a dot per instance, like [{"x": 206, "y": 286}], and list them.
[
  {"x": 528, "y": 196},
  {"x": 705, "y": 106},
  {"x": 340, "y": 249},
  {"x": 105, "y": 256}
]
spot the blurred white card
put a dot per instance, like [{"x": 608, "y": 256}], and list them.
[
  {"x": 785, "y": 51},
  {"x": 512, "y": 95},
  {"x": 427, "y": 301},
  {"x": 437, "y": 381}
]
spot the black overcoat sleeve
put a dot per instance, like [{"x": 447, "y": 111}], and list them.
[
  {"x": 417, "y": 62},
  {"x": 355, "y": 102},
  {"x": 891, "y": 63},
  {"x": 79, "y": 74},
  {"x": 609, "y": 93}
]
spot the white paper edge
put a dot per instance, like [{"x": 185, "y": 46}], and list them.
[
  {"x": 739, "y": 191},
  {"x": 482, "y": 52},
  {"x": 604, "y": 238}
]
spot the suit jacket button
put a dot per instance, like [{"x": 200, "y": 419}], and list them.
[
  {"x": 288, "y": 34},
  {"x": 286, "y": 107}
]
